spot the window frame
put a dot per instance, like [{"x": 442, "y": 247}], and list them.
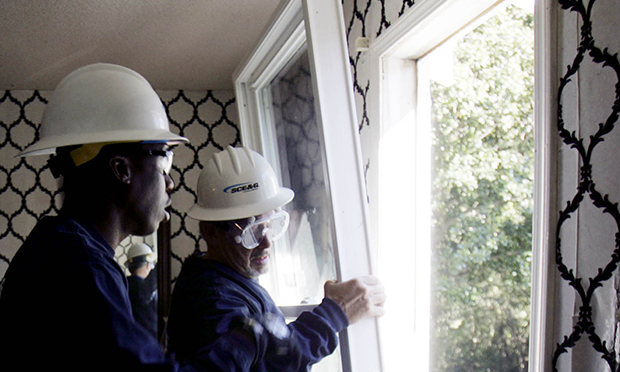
[
  {"x": 382, "y": 64},
  {"x": 545, "y": 195},
  {"x": 320, "y": 23}
]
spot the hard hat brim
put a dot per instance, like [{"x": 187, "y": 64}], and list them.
[
  {"x": 199, "y": 213},
  {"x": 48, "y": 145}
]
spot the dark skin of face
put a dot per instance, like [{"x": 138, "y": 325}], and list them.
[
  {"x": 250, "y": 263},
  {"x": 148, "y": 187},
  {"x": 122, "y": 193}
]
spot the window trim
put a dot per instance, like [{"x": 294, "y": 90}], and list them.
[
  {"x": 335, "y": 108},
  {"x": 545, "y": 195},
  {"x": 381, "y": 59}
]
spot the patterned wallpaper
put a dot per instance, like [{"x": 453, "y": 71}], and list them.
[
  {"x": 587, "y": 250},
  {"x": 368, "y": 19},
  {"x": 28, "y": 190},
  {"x": 210, "y": 121}
]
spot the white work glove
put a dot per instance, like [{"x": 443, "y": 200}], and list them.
[{"x": 359, "y": 298}]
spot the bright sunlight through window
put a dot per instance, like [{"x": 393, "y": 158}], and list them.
[{"x": 456, "y": 203}]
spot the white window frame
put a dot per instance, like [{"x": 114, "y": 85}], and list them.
[
  {"x": 545, "y": 180},
  {"x": 387, "y": 69},
  {"x": 320, "y": 22}
]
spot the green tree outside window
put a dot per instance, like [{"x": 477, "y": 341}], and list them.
[{"x": 483, "y": 167}]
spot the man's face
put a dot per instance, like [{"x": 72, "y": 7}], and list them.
[
  {"x": 148, "y": 189},
  {"x": 250, "y": 263}
]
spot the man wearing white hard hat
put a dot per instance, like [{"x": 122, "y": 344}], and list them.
[
  {"x": 219, "y": 310},
  {"x": 140, "y": 262},
  {"x": 64, "y": 303}
]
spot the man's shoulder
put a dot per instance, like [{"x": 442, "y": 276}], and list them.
[
  {"x": 212, "y": 277},
  {"x": 57, "y": 226},
  {"x": 59, "y": 254},
  {"x": 59, "y": 237},
  {"x": 198, "y": 269}
]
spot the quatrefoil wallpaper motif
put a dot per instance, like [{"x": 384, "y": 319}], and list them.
[
  {"x": 588, "y": 187},
  {"x": 209, "y": 120}
]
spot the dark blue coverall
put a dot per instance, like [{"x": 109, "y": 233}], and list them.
[
  {"x": 143, "y": 298},
  {"x": 211, "y": 301},
  {"x": 64, "y": 306}
]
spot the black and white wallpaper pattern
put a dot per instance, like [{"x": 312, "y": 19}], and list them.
[
  {"x": 210, "y": 120},
  {"x": 586, "y": 137},
  {"x": 27, "y": 189}
]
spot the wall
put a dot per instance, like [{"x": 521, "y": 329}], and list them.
[
  {"x": 587, "y": 230},
  {"x": 587, "y": 224},
  {"x": 210, "y": 120},
  {"x": 28, "y": 190}
]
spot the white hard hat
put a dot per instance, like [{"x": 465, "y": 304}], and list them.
[
  {"x": 102, "y": 103},
  {"x": 139, "y": 250},
  {"x": 237, "y": 183}
]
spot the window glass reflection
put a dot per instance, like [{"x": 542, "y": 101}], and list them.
[{"x": 304, "y": 259}]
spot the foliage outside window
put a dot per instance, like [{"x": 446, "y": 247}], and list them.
[{"x": 483, "y": 160}]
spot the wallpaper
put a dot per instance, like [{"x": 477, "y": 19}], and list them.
[
  {"x": 27, "y": 188},
  {"x": 587, "y": 249}
]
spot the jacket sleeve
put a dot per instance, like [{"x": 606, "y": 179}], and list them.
[
  {"x": 316, "y": 332},
  {"x": 211, "y": 328},
  {"x": 302, "y": 343},
  {"x": 246, "y": 341}
]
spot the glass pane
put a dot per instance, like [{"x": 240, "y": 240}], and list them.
[
  {"x": 481, "y": 109},
  {"x": 304, "y": 258}
]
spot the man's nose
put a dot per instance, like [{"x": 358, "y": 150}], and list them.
[
  {"x": 265, "y": 243},
  {"x": 169, "y": 182}
]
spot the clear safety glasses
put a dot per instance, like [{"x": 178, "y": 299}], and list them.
[
  {"x": 166, "y": 158},
  {"x": 273, "y": 227}
]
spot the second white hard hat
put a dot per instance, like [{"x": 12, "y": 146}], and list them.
[
  {"x": 237, "y": 183},
  {"x": 102, "y": 103},
  {"x": 139, "y": 250}
]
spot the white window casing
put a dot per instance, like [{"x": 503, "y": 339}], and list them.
[{"x": 320, "y": 23}]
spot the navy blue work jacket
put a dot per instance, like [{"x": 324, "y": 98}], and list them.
[
  {"x": 64, "y": 305},
  {"x": 211, "y": 302}
]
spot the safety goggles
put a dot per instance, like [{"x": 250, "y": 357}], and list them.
[
  {"x": 252, "y": 235},
  {"x": 166, "y": 158}
]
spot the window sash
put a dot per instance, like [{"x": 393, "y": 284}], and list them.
[{"x": 319, "y": 22}]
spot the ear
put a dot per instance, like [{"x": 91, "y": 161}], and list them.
[
  {"x": 206, "y": 229},
  {"x": 121, "y": 169},
  {"x": 211, "y": 234}
]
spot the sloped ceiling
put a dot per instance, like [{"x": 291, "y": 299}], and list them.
[{"x": 174, "y": 44}]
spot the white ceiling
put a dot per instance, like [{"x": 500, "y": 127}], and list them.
[{"x": 174, "y": 44}]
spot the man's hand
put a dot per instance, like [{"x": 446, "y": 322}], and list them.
[{"x": 359, "y": 298}]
